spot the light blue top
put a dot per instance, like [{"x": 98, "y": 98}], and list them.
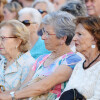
[
  {"x": 39, "y": 49},
  {"x": 16, "y": 73}
]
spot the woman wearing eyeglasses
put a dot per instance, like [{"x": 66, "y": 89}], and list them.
[
  {"x": 43, "y": 6},
  {"x": 56, "y": 68},
  {"x": 14, "y": 45}
]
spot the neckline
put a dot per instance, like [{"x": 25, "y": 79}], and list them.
[
  {"x": 90, "y": 63},
  {"x": 69, "y": 53}
]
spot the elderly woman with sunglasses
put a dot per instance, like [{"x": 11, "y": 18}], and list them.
[
  {"x": 14, "y": 45},
  {"x": 43, "y": 6},
  {"x": 32, "y": 19},
  {"x": 85, "y": 79},
  {"x": 58, "y": 31}
]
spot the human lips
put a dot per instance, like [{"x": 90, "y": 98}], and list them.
[
  {"x": 1, "y": 48},
  {"x": 76, "y": 44}
]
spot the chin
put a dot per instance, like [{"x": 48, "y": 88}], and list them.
[{"x": 90, "y": 13}]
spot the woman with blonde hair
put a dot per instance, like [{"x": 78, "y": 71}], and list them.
[{"x": 14, "y": 45}]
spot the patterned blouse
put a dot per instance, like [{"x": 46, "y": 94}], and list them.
[
  {"x": 16, "y": 73},
  {"x": 70, "y": 59}
]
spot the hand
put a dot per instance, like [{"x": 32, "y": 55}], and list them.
[{"x": 5, "y": 96}]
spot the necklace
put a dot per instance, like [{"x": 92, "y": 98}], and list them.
[
  {"x": 91, "y": 62},
  {"x": 5, "y": 64}
]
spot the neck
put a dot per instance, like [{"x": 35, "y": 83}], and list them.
[
  {"x": 12, "y": 57},
  {"x": 91, "y": 54},
  {"x": 33, "y": 39},
  {"x": 61, "y": 51}
]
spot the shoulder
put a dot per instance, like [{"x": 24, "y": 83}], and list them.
[
  {"x": 73, "y": 58},
  {"x": 26, "y": 59},
  {"x": 42, "y": 57}
]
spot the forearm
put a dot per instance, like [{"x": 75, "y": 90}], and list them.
[
  {"x": 32, "y": 90},
  {"x": 59, "y": 76}
]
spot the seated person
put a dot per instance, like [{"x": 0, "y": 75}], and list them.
[
  {"x": 32, "y": 19},
  {"x": 86, "y": 75},
  {"x": 14, "y": 46}
]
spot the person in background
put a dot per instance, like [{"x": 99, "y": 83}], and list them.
[
  {"x": 14, "y": 46},
  {"x": 2, "y": 3},
  {"x": 75, "y": 7},
  {"x": 58, "y": 31},
  {"x": 26, "y": 3},
  {"x": 10, "y": 10},
  {"x": 59, "y": 3},
  {"x": 86, "y": 75},
  {"x": 32, "y": 19},
  {"x": 43, "y": 6},
  {"x": 93, "y": 7}
]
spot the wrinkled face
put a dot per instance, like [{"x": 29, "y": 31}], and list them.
[
  {"x": 93, "y": 7},
  {"x": 33, "y": 28},
  {"x": 58, "y": 3},
  {"x": 52, "y": 43},
  {"x": 42, "y": 8},
  {"x": 8, "y": 15},
  {"x": 83, "y": 39},
  {"x": 8, "y": 41}
]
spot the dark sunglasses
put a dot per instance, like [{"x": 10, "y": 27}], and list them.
[
  {"x": 41, "y": 11},
  {"x": 27, "y": 22}
]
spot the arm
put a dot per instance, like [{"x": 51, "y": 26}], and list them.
[{"x": 61, "y": 74}]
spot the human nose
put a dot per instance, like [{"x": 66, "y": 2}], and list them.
[
  {"x": 75, "y": 37},
  {"x": 88, "y": 3}
]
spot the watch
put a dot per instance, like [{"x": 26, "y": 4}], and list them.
[{"x": 12, "y": 95}]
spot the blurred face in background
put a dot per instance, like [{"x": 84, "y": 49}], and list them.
[
  {"x": 8, "y": 15},
  {"x": 26, "y": 3},
  {"x": 93, "y": 7},
  {"x": 59, "y": 3},
  {"x": 42, "y": 8}
]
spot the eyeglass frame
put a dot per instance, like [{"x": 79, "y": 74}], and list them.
[
  {"x": 3, "y": 37},
  {"x": 46, "y": 33}
]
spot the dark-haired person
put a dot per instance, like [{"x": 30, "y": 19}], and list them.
[{"x": 86, "y": 75}]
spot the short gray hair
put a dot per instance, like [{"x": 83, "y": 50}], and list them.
[
  {"x": 36, "y": 16},
  {"x": 62, "y": 23},
  {"x": 75, "y": 7},
  {"x": 50, "y": 6}
]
